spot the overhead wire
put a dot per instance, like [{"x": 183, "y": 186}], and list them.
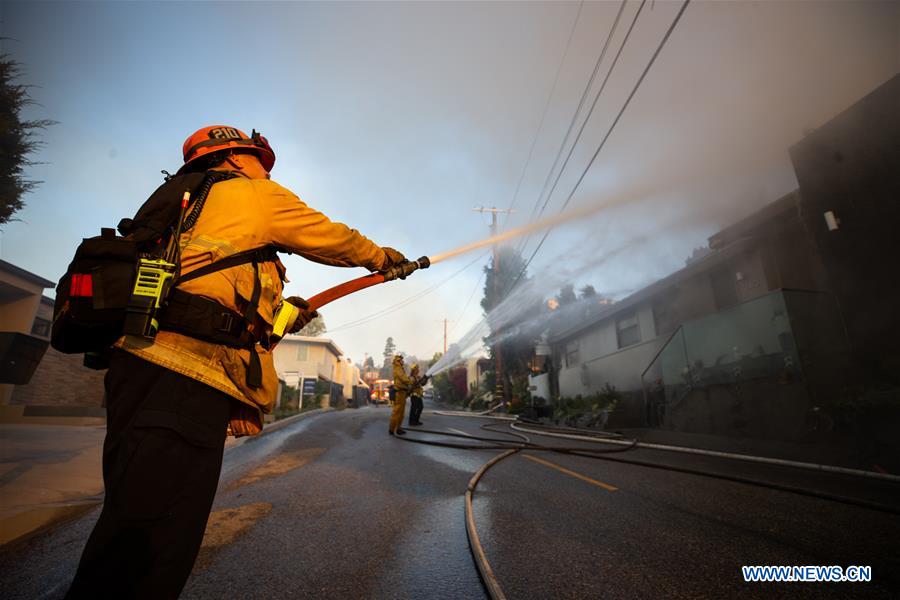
[
  {"x": 465, "y": 306},
  {"x": 537, "y": 133},
  {"x": 577, "y": 113},
  {"x": 587, "y": 119},
  {"x": 404, "y": 303},
  {"x": 415, "y": 297},
  {"x": 612, "y": 126},
  {"x": 540, "y": 127}
]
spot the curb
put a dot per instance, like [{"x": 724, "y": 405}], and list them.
[{"x": 715, "y": 453}]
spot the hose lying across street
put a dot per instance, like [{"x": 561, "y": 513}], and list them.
[{"x": 523, "y": 442}]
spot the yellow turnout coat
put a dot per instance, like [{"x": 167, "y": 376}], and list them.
[{"x": 242, "y": 214}]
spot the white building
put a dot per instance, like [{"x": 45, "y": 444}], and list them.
[{"x": 301, "y": 361}]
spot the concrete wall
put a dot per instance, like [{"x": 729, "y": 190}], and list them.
[
  {"x": 61, "y": 380},
  {"x": 758, "y": 409}
]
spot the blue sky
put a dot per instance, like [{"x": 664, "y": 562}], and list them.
[{"x": 398, "y": 118}]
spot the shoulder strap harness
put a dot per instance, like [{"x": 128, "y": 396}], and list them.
[{"x": 204, "y": 319}]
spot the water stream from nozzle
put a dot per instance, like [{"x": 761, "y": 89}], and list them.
[{"x": 520, "y": 231}]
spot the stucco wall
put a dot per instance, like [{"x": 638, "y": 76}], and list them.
[{"x": 320, "y": 362}]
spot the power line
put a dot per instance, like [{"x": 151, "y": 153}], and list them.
[
  {"x": 537, "y": 133},
  {"x": 405, "y": 302},
  {"x": 611, "y": 127},
  {"x": 466, "y": 305},
  {"x": 612, "y": 66},
  {"x": 577, "y": 113}
]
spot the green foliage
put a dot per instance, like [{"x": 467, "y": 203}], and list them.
[
  {"x": 16, "y": 140},
  {"x": 590, "y": 411},
  {"x": 289, "y": 404},
  {"x": 446, "y": 390},
  {"x": 322, "y": 389},
  {"x": 314, "y": 328}
]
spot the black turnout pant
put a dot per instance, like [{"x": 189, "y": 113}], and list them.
[
  {"x": 415, "y": 410},
  {"x": 161, "y": 460}
]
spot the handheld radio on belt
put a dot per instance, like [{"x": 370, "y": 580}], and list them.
[{"x": 152, "y": 285}]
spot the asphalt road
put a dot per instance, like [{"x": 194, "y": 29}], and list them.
[{"x": 331, "y": 506}]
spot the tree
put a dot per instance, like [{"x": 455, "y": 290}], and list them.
[
  {"x": 387, "y": 369},
  {"x": 566, "y": 295},
  {"x": 314, "y": 328},
  {"x": 389, "y": 349},
  {"x": 370, "y": 363},
  {"x": 588, "y": 291},
  {"x": 517, "y": 343},
  {"x": 499, "y": 281},
  {"x": 17, "y": 140}
]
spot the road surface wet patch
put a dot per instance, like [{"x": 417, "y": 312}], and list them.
[
  {"x": 279, "y": 465},
  {"x": 225, "y": 526}
]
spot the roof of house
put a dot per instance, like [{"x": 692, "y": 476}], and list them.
[
  {"x": 329, "y": 343},
  {"x": 764, "y": 217},
  {"x": 701, "y": 265},
  {"x": 727, "y": 243},
  {"x": 26, "y": 275}
]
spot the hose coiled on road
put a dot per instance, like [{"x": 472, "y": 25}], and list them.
[{"x": 488, "y": 578}]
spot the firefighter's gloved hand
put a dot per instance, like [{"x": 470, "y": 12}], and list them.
[
  {"x": 393, "y": 258},
  {"x": 303, "y": 317},
  {"x": 290, "y": 317}
]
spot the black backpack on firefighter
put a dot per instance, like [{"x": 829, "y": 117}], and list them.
[{"x": 128, "y": 283}]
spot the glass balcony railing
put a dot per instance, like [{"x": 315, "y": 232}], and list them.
[{"x": 786, "y": 336}]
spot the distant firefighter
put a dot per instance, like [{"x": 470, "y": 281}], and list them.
[
  {"x": 402, "y": 387},
  {"x": 415, "y": 394}
]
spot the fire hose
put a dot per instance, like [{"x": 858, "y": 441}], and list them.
[
  {"x": 401, "y": 271},
  {"x": 287, "y": 313}
]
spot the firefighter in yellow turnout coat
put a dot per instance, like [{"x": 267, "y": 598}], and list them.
[
  {"x": 402, "y": 385},
  {"x": 171, "y": 400},
  {"x": 415, "y": 396}
]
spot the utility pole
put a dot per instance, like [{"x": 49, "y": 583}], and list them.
[
  {"x": 499, "y": 393},
  {"x": 445, "y": 321}
]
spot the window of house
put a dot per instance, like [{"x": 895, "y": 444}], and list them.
[
  {"x": 571, "y": 354},
  {"x": 628, "y": 331},
  {"x": 41, "y": 327},
  {"x": 302, "y": 352}
]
